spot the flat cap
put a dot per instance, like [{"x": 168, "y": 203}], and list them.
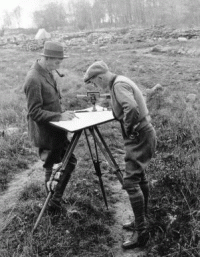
[{"x": 94, "y": 70}]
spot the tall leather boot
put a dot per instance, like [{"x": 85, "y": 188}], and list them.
[
  {"x": 140, "y": 236},
  {"x": 145, "y": 190},
  {"x": 137, "y": 203}
]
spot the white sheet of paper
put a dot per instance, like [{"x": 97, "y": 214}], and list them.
[{"x": 85, "y": 120}]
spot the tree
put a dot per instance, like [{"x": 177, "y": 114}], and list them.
[
  {"x": 82, "y": 13},
  {"x": 16, "y": 14},
  {"x": 98, "y": 12},
  {"x": 7, "y": 21},
  {"x": 193, "y": 15},
  {"x": 52, "y": 17}
]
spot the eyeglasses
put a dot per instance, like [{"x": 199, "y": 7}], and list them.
[
  {"x": 94, "y": 80},
  {"x": 90, "y": 81},
  {"x": 93, "y": 83}
]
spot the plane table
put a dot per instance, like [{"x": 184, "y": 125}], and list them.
[{"x": 84, "y": 122}]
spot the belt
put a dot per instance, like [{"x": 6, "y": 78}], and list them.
[{"x": 143, "y": 122}]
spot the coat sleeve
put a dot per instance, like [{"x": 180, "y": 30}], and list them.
[
  {"x": 125, "y": 97},
  {"x": 36, "y": 111}
]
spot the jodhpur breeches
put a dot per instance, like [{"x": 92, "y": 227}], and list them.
[{"x": 139, "y": 152}]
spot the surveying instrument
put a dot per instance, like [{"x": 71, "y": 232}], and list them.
[{"x": 93, "y": 96}]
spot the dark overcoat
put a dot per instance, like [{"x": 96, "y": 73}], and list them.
[{"x": 43, "y": 103}]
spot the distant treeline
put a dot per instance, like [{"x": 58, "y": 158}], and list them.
[{"x": 87, "y": 14}]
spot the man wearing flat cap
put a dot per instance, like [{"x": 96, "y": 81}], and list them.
[
  {"x": 129, "y": 108},
  {"x": 43, "y": 102}
]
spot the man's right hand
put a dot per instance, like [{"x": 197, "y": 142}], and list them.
[{"x": 68, "y": 115}]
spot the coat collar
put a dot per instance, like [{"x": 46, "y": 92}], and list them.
[{"x": 112, "y": 81}]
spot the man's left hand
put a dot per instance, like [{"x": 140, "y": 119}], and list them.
[{"x": 51, "y": 185}]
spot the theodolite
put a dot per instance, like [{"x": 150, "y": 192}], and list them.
[{"x": 93, "y": 96}]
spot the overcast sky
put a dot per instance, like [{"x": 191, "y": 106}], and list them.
[{"x": 28, "y": 7}]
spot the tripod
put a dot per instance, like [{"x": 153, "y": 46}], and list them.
[
  {"x": 98, "y": 140},
  {"x": 79, "y": 128}
]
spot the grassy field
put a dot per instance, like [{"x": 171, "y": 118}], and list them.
[{"x": 174, "y": 174}]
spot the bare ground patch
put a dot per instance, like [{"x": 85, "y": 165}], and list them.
[{"x": 9, "y": 198}]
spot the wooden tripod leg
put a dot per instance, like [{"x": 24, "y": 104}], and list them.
[
  {"x": 96, "y": 164},
  {"x": 107, "y": 153},
  {"x": 66, "y": 157},
  {"x": 42, "y": 211}
]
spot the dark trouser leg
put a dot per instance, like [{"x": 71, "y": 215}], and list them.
[
  {"x": 48, "y": 173},
  {"x": 145, "y": 190},
  {"x": 45, "y": 156},
  {"x": 144, "y": 185},
  {"x": 65, "y": 177}
]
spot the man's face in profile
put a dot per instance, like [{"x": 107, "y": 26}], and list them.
[{"x": 54, "y": 63}]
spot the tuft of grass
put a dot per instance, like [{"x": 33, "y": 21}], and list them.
[
  {"x": 34, "y": 191},
  {"x": 174, "y": 199}
]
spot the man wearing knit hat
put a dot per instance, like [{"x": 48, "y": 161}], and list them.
[
  {"x": 130, "y": 109},
  {"x": 43, "y": 102}
]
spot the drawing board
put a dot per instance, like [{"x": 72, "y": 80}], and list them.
[{"x": 84, "y": 120}]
